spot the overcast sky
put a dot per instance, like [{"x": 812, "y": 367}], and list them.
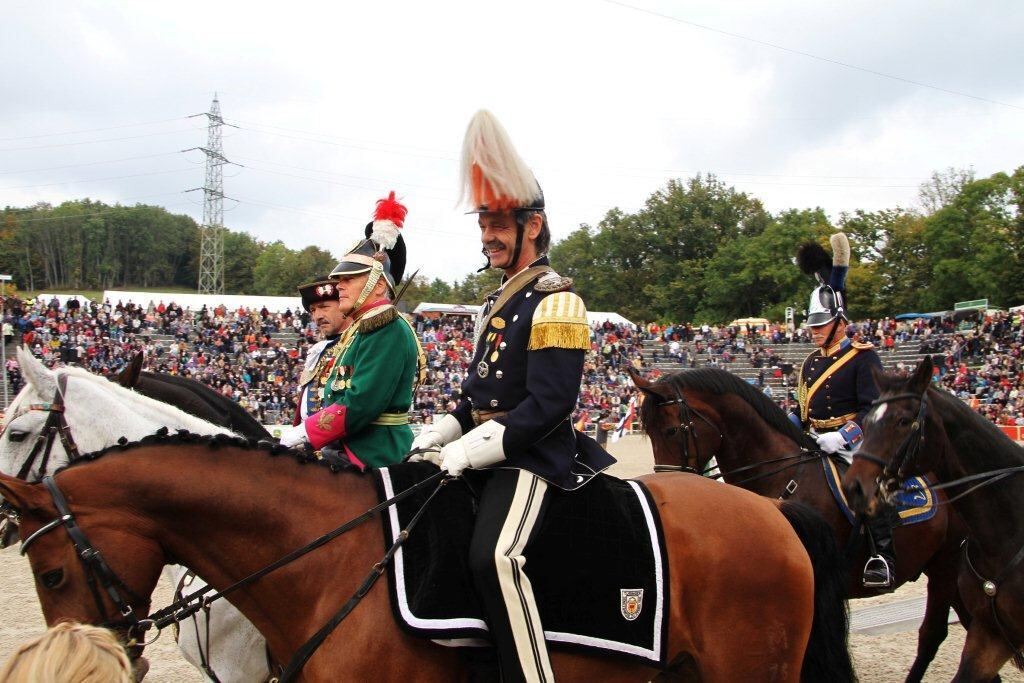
[{"x": 337, "y": 103}]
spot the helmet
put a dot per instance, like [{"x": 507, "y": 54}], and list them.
[
  {"x": 828, "y": 300},
  {"x": 382, "y": 252}
]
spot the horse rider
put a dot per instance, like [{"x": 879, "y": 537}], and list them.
[
  {"x": 378, "y": 361},
  {"x": 320, "y": 301},
  {"x": 514, "y": 418},
  {"x": 835, "y": 387}
]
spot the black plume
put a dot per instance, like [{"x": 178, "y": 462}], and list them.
[{"x": 812, "y": 259}]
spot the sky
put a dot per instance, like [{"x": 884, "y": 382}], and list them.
[{"x": 836, "y": 105}]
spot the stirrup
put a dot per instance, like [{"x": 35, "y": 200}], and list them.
[{"x": 877, "y": 573}]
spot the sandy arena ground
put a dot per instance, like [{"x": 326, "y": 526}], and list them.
[{"x": 878, "y": 658}]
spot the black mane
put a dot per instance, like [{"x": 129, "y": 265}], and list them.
[
  {"x": 721, "y": 382},
  {"x": 198, "y": 399},
  {"x": 973, "y": 435},
  {"x": 185, "y": 438}
]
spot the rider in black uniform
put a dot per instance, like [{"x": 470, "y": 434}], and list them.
[
  {"x": 836, "y": 388},
  {"x": 515, "y": 415}
]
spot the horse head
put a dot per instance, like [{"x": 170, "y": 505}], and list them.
[
  {"x": 74, "y": 579},
  {"x": 69, "y": 407},
  {"x": 681, "y": 433},
  {"x": 893, "y": 432}
]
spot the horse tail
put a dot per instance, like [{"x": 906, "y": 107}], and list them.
[{"x": 828, "y": 653}]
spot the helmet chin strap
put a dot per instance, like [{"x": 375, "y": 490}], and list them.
[
  {"x": 831, "y": 335},
  {"x": 376, "y": 270}
]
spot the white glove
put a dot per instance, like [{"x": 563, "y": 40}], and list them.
[
  {"x": 453, "y": 458},
  {"x": 480, "y": 447},
  {"x": 832, "y": 442},
  {"x": 445, "y": 430},
  {"x": 294, "y": 436}
]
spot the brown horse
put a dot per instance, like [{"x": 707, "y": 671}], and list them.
[
  {"x": 227, "y": 510},
  {"x": 918, "y": 428},
  {"x": 694, "y": 415}
]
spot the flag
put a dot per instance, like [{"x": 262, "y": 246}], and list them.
[{"x": 626, "y": 422}]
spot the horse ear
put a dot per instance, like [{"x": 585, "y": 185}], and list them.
[
  {"x": 42, "y": 379},
  {"x": 882, "y": 380},
  {"x": 638, "y": 379},
  {"x": 922, "y": 377},
  {"x": 129, "y": 377},
  {"x": 21, "y": 494}
]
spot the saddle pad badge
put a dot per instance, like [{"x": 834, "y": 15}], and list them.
[{"x": 631, "y": 602}]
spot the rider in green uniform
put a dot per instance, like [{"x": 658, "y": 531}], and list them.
[{"x": 367, "y": 396}]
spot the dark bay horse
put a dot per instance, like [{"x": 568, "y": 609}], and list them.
[
  {"x": 192, "y": 396},
  {"x": 916, "y": 427},
  {"x": 205, "y": 503},
  {"x": 694, "y": 415}
]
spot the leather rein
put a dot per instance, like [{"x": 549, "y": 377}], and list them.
[{"x": 56, "y": 426}]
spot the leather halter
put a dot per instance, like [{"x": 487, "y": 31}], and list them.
[
  {"x": 688, "y": 430},
  {"x": 98, "y": 573},
  {"x": 909, "y": 449},
  {"x": 56, "y": 426}
]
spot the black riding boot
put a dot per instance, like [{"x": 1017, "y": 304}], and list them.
[{"x": 880, "y": 569}]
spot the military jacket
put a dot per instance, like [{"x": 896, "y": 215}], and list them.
[
  {"x": 319, "y": 362},
  {"x": 369, "y": 391},
  {"x": 531, "y": 339},
  {"x": 836, "y": 386}
]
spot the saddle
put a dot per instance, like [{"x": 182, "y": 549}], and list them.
[
  {"x": 598, "y": 566},
  {"x": 915, "y": 501}
]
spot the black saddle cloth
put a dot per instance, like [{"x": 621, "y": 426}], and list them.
[{"x": 597, "y": 565}]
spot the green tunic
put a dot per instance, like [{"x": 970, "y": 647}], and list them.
[{"x": 373, "y": 379}]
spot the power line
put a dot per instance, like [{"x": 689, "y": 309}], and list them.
[
  {"x": 93, "y": 142},
  {"x": 96, "y": 180},
  {"x": 89, "y": 163},
  {"x": 93, "y": 130},
  {"x": 801, "y": 53}
]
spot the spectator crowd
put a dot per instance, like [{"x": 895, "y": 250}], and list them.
[{"x": 255, "y": 356}]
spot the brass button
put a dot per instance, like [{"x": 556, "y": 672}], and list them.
[{"x": 494, "y": 403}]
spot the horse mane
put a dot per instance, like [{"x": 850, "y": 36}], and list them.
[
  {"x": 163, "y": 437},
  {"x": 191, "y": 392},
  {"x": 988, "y": 442},
  {"x": 722, "y": 383}
]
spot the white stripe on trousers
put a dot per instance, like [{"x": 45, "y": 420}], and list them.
[{"x": 516, "y": 590}]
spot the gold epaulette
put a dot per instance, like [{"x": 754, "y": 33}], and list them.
[
  {"x": 553, "y": 282},
  {"x": 560, "y": 321},
  {"x": 377, "y": 318},
  {"x": 863, "y": 345}
]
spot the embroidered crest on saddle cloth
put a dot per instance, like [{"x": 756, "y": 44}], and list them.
[
  {"x": 560, "y": 321},
  {"x": 576, "y": 578}
]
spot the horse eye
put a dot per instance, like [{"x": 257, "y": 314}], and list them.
[
  {"x": 52, "y": 579},
  {"x": 17, "y": 436},
  {"x": 904, "y": 421}
]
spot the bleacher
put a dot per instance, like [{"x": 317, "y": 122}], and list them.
[{"x": 907, "y": 353}]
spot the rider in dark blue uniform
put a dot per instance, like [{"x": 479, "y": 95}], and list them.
[
  {"x": 514, "y": 419},
  {"x": 836, "y": 388}
]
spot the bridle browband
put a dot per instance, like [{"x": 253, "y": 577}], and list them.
[{"x": 56, "y": 426}]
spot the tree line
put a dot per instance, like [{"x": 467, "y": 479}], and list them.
[{"x": 698, "y": 250}]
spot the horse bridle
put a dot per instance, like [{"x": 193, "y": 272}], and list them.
[
  {"x": 688, "y": 430},
  {"x": 893, "y": 470},
  {"x": 98, "y": 573},
  {"x": 56, "y": 426}
]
